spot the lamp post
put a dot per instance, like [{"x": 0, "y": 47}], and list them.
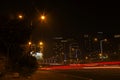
[
  {"x": 101, "y": 46},
  {"x": 41, "y": 46},
  {"x": 42, "y": 18},
  {"x": 29, "y": 46}
]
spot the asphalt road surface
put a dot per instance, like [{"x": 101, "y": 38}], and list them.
[
  {"x": 82, "y": 74},
  {"x": 55, "y": 75}
]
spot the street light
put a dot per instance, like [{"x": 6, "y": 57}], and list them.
[
  {"x": 41, "y": 43},
  {"x": 29, "y": 46},
  {"x": 41, "y": 46},
  {"x": 43, "y": 17},
  {"x": 20, "y": 16},
  {"x": 29, "y": 43},
  {"x": 101, "y": 46},
  {"x": 95, "y": 39}
]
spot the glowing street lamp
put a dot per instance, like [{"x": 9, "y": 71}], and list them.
[
  {"x": 105, "y": 40},
  {"x": 95, "y": 39},
  {"x": 101, "y": 47},
  {"x": 29, "y": 43},
  {"x": 41, "y": 46},
  {"x": 20, "y": 16},
  {"x": 43, "y": 17},
  {"x": 41, "y": 43}
]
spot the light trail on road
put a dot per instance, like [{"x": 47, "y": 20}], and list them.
[
  {"x": 70, "y": 68},
  {"x": 100, "y": 65}
]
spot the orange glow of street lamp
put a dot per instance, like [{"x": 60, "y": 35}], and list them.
[
  {"x": 105, "y": 40},
  {"x": 42, "y": 17},
  {"x": 20, "y": 16},
  {"x": 95, "y": 39},
  {"x": 41, "y": 43},
  {"x": 30, "y": 43}
]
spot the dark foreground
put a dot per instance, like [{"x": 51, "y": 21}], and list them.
[{"x": 82, "y": 74}]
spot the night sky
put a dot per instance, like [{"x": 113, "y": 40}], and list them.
[{"x": 67, "y": 17}]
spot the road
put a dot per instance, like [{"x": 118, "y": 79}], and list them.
[
  {"x": 55, "y": 75},
  {"x": 96, "y": 74},
  {"x": 82, "y": 74},
  {"x": 79, "y": 74}
]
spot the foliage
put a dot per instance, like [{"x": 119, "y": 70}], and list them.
[
  {"x": 26, "y": 65},
  {"x": 15, "y": 33}
]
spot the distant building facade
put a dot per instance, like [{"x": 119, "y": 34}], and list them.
[{"x": 85, "y": 47}]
